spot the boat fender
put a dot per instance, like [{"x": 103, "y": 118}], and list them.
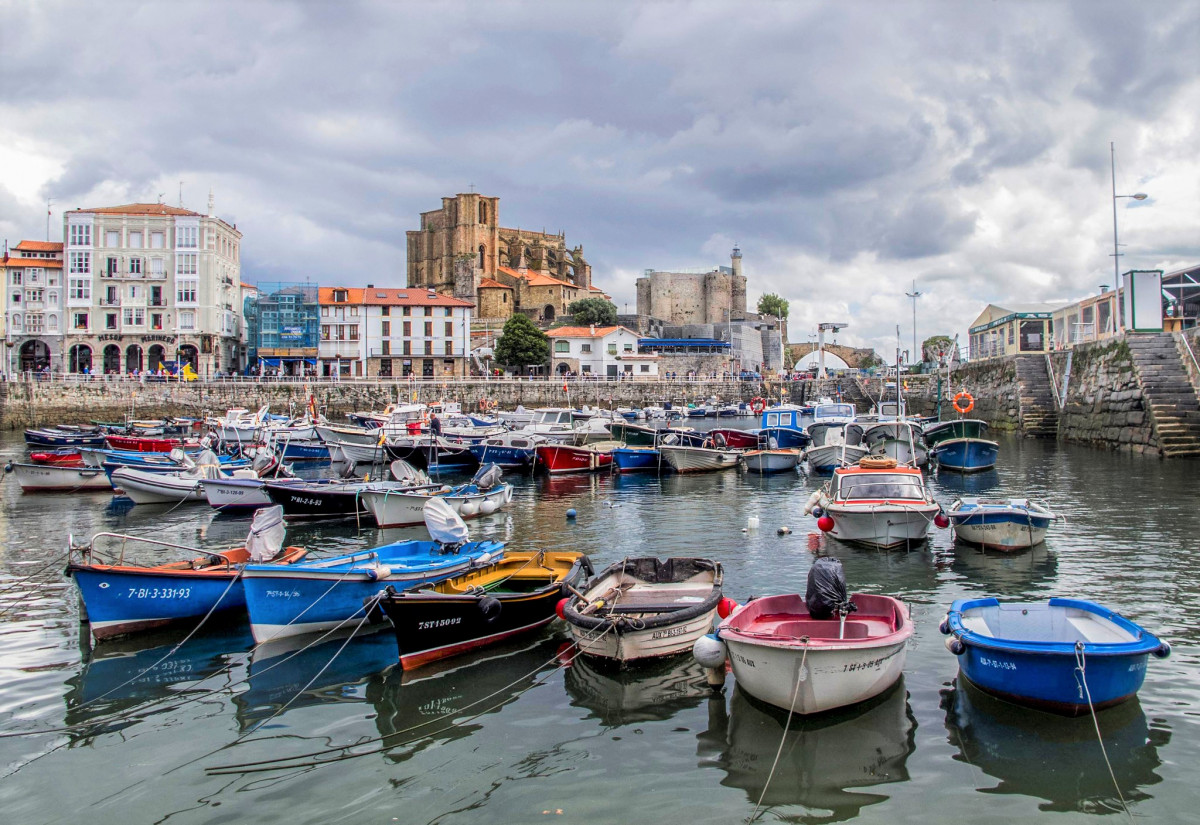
[
  {"x": 486, "y": 508},
  {"x": 955, "y": 645},
  {"x": 783, "y": 531},
  {"x": 812, "y": 502},
  {"x": 1162, "y": 651},
  {"x": 818, "y": 511},
  {"x": 8, "y": 468},
  {"x": 588, "y": 569},
  {"x": 561, "y": 608},
  {"x": 468, "y": 509},
  {"x": 571, "y": 513},
  {"x": 941, "y": 520},
  {"x": 709, "y": 651},
  {"x": 825, "y": 524},
  {"x": 944, "y": 627},
  {"x": 490, "y": 607},
  {"x": 378, "y": 572},
  {"x": 726, "y": 607}
]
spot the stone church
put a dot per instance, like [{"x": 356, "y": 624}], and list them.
[{"x": 462, "y": 250}]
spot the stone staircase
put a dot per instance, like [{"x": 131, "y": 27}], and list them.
[
  {"x": 1167, "y": 393},
  {"x": 1038, "y": 409}
]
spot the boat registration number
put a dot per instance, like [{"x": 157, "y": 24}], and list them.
[
  {"x": 159, "y": 592},
  {"x": 308, "y": 502},
  {"x": 283, "y": 594},
  {"x": 668, "y": 632},
  {"x": 853, "y": 666},
  {"x": 986, "y": 662},
  {"x": 435, "y": 623}
]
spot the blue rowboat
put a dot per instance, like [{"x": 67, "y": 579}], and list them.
[
  {"x": 634, "y": 459},
  {"x": 55, "y": 437},
  {"x": 1002, "y": 523},
  {"x": 125, "y": 598},
  {"x": 960, "y": 445},
  {"x": 304, "y": 451},
  {"x": 321, "y": 595},
  {"x": 1063, "y": 656}
]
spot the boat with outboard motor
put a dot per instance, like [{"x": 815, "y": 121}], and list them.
[
  {"x": 898, "y": 439},
  {"x": 1000, "y": 523},
  {"x": 341, "y": 592},
  {"x": 644, "y": 608},
  {"x": 1065, "y": 656},
  {"x": 57, "y": 478},
  {"x": 430, "y": 452},
  {"x": 816, "y": 652},
  {"x": 558, "y": 459},
  {"x": 512, "y": 451},
  {"x": 121, "y": 598},
  {"x": 482, "y": 606},
  {"x": 960, "y": 445},
  {"x": 483, "y": 495},
  {"x": 834, "y": 444},
  {"x": 876, "y": 503},
  {"x": 766, "y": 462}
]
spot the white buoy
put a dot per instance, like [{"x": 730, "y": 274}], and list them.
[
  {"x": 812, "y": 502},
  {"x": 710, "y": 653},
  {"x": 752, "y": 523},
  {"x": 468, "y": 509},
  {"x": 487, "y": 507}
]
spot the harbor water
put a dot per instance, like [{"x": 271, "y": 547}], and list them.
[{"x": 527, "y": 733}]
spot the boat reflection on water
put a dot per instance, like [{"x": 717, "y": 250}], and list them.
[
  {"x": 826, "y": 761},
  {"x": 112, "y": 680},
  {"x": 1015, "y": 572},
  {"x": 968, "y": 484},
  {"x": 1054, "y": 758},
  {"x": 570, "y": 484},
  {"x": 280, "y": 671},
  {"x": 438, "y": 703},
  {"x": 653, "y": 691}
]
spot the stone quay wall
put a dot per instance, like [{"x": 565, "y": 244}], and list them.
[{"x": 1104, "y": 405}]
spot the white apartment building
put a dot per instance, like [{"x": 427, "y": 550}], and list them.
[
  {"x": 609, "y": 352},
  {"x": 341, "y": 352},
  {"x": 149, "y": 283},
  {"x": 32, "y": 273}
]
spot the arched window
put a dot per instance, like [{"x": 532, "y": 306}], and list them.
[{"x": 482, "y": 250}]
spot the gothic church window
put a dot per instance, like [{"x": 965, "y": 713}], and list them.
[{"x": 482, "y": 250}]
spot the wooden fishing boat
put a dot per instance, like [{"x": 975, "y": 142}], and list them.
[
  {"x": 785, "y": 657},
  {"x": 644, "y": 608},
  {"x": 771, "y": 461},
  {"x": 683, "y": 459},
  {"x": 1066, "y": 656},
  {"x": 783, "y": 427},
  {"x": 1000, "y": 523},
  {"x": 512, "y": 451},
  {"x": 565, "y": 458},
  {"x": 63, "y": 457},
  {"x": 961, "y": 445},
  {"x": 327, "y": 499},
  {"x": 54, "y": 478},
  {"x": 65, "y": 436},
  {"x": 329, "y": 593},
  {"x": 881, "y": 505},
  {"x": 427, "y": 452},
  {"x": 483, "y": 606},
  {"x": 736, "y": 439},
  {"x": 633, "y": 459},
  {"x": 122, "y": 598}
]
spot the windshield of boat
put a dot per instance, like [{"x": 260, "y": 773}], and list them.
[
  {"x": 879, "y": 486},
  {"x": 834, "y": 411}
]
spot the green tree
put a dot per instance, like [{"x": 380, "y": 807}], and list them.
[
  {"x": 596, "y": 311},
  {"x": 522, "y": 344},
  {"x": 772, "y": 304}
]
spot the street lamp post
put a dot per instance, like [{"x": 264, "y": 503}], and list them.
[
  {"x": 1140, "y": 196},
  {"x": 913, "y": 359}
]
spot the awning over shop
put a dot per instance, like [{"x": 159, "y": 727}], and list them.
[{"x": 275, "y": 362}]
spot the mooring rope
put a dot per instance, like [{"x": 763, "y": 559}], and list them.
[
  {"x": 782, "y": 739},
  {"x": 1081, "y": 671}
]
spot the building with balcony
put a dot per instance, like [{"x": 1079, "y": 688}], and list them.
[
  {"x": 1012, "y": 329},
  {"x": 342, "y": 348},
  {"x": 151, "y": 286},
  {"x": 32, "y": 273},
  {"x": 415, "y": 333},
  {"x": 288, "y": 328},
  {"x": 608, "y": 352}
]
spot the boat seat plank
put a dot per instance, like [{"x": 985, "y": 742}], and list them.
[{"x": 1091, "y": 630}]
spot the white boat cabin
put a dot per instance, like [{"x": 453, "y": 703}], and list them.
[{"x": 859, "y": 485}]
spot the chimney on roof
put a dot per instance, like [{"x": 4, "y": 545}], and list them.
[
  {"x": 593, "y": 329},
  {"x": 370, "y": 286},
  {"x": 210, "y": 202}
]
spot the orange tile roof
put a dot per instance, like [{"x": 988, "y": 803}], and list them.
[
  {"x": 248, "y": 286},
  {"x": 582, "y": 332},
  {"x": 354, "y": 295},
  {"x": 142, "y": 209},
  {"x": 39, "y": 246},
  {"x": 537, "y": 278},
  {"x": 45, "y": 263},
  {"x": 488, "y": 283},
  {"x": 412, "y": 296}
]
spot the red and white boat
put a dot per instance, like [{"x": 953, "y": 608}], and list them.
[
  {"x": 736, "y": 439},
  {"x": 64, "y": 457},
  {"x": 880, "y": 505},
  {"x": 564, "y": 458},
  {"x": 142, "y": 444}
]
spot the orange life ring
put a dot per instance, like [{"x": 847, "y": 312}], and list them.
[
  {"x": 970, "y": 403},
  {"x": 758, "y": 404}
]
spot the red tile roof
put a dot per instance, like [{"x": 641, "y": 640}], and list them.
[
  {"x": 488, "y": 283},
  {"x": 45, "y": 263},
  {"x": 354, "y": 295},
  {"x": 39, "y": 246},
  {"x": 537, "y": 278},
  {"x": 373, "y": 296},
  {"x": 142, "y": 209},
  {"x": 584, "y": 332}
]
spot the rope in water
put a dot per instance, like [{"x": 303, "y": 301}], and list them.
[
  {"x": 782, "y": 739},
  {"x": 1081, "y": 671},
  {"x": 291, "y": 762}
]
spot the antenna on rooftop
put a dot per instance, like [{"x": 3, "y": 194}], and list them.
[
  {"x": 49, "y": 201},
  {"x": 181, "y": 194}
]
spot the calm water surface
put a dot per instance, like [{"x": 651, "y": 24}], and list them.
[{"x": 514, "y": 735}]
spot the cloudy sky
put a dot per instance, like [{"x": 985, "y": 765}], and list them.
[{"x": 848, "y": 147}]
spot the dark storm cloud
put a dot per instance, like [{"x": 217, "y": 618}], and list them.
[{"x": 837, "y": 143}]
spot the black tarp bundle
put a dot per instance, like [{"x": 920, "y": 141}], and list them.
[{"x": 826, "y": 594}]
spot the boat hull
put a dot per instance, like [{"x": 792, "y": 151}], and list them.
[
  {"x": 401, "y": 509},
  {"x": 317, "y": 501},
  {"x": 510, "y": 458},
  {"x": 147, "y": 487},
  {"x": 965, "y": 455},
  {"x": 229, "y": 494},
  {"x": 881, "y": 525},
  {"x": 784, "y": 438},
  {"x": 698, "y": 459},
  {"x": 1001, "y": 531},
  {"x": 559, "y": 459},
  {"x": 827, "y": 458},
  {"x": 636, "y": 459},
  {"x": 771, "y": 461},
  {"x": 46, "y": 438},
  {"x": 121, "y": 601},
  {"x": 52, "y": 478}
]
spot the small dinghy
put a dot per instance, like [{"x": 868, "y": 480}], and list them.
[
  {"x": 329, "y": 593},
  {"x": 482, "y": 496},
  {"x": 56, "y": 478},
  {"x": 771, "y": 461},
  {"x": 122, "y": 598},
  {"x": 482, "y": 606},
  {"x": 813, "y": 653},
  {"x": 1062, "y": 656},
  {"x": 961, "y": 445},
  {"x": 1000, "y": 523},
  {"x": 645, "y": 608},
  {"x": 157, "y": 487},
  {"x": 684, "y": 459},
  {"x": 558, "y": 459}
]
